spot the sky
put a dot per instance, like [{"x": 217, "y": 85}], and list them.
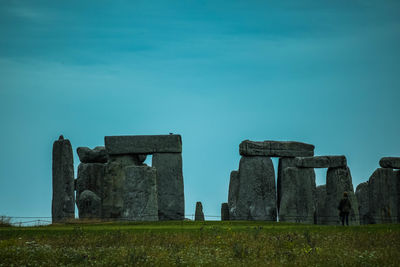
[{"x": 216, "y": 72}]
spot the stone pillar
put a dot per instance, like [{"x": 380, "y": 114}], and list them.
[
  {"x": 199, "y": 215},
  {"x": 283, "y": 164},
  {"x": 171, "y": 201},
  {"x": 257, "y": 192},
  {"x": 140, "y": 194},
  {"x": 225, "y": 212},
  {"x": 383, "y": 196},
  {"x": 297, "y": 196},
  {"x": 63, "y": 202},
  {"x": 233, "y": 194},
  {"x": 338, "y": 181},
  {"x": 320, "y": 204},
  {"x": 90, "y": 178},
  {"x": 363, "y": 203},
  {"x": 89, "y": 205}
]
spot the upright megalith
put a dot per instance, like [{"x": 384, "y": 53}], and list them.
[
  {"x": 225, "y": 212},
  {"x": 90, "y": 178},
  {"x": 139, "y": 194},
  {"x": 89, "y": 205},
  {"x": 363, "y": 202},
  {"x": 297, "y": 196},
  {"x": 383, "y": 196},
  {"x": 276, "y": 149},
  {"x": 338, "y": 181},
  {"x": 199, "y": 215},
  {"x": 63, "y": 202},
  {"x": 257, "y": 193},
  {"x": 320, "y": 203},
  {"x": 233, "y": 194},
  {"x": 171, "y": 201},
  {"x": 390, "y": 162},
  {"x": 284, "y": 163}
]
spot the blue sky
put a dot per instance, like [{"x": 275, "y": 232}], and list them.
[{"x": 216, "y": 72}]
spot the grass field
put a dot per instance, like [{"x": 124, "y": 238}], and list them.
[{"x": 200, "y": 244}]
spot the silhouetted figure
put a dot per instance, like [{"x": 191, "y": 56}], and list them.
[
  {"x": 61, "y": 137},
  {"x": 344, "y": 208}
]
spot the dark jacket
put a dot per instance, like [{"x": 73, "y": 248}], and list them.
[{"x": 344, "y": 205}]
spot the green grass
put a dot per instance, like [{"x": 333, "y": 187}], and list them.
[{"x": 200, "y": 244}]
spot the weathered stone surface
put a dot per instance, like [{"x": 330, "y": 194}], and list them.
[
  {"x": 96, "y": 155},
  {"x": 320, "y": 204},
  {"x": 338, "y": 181},
  {"x": 224, "y": 212},
  {"x": 321, "y": 162},
  {"x": 140, "y": 194},
  {"x": 113, "y": 185},
  {"x": 199, "y": 215},
  {"x": 276, "y": 149},
  {"x": 363, "y": 203},
  {"x": 143, "y": 144},
  {"x": 90, "y": 177},
  {"x": 257, "y": 192},
  {"x": 63, "y": 202},
  {"x": 283, "y": 164},
  {"x": 297, "y": 195},
  {"x": 171, "y": 201},
  {"x": 233, "y": 194},
  {"x": 390, "y": 162},
  {"x": 89, "y": 205},
  {"x": 383, "y": 196}
]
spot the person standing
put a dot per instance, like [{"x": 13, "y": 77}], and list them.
[{"x": 344, "y": 208}]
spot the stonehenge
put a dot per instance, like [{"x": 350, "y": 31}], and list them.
[{"x": 113, "y": 182}]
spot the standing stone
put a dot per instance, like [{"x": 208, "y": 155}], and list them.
[
  {"x": 89, "y": 205},
  {"x": 338, "y": 181},
  {"x": 113, "y": 185},
  {"x": 283, "y": 164},
  {"x": 390, "y": 162},
  {"x": 90, "y": 178},
  {"x": 171, "y": 201},
  {"x": 199, "y": 215},
  {"x": 257, "y": 192},
  {"x": 363, "y": 203},
  {"x": 224, "y": 212},
  {"x": 63, "y": 202},
  {"x": 383, "y": 196},
  {"x": 320, "y": 204},
  {"x": 233, "y": 194},
  {"x": 276, "y": 149},
  {"x": 96, "y": 155},
  {"x": 140, "y": 194},
  {"x": 297, "y": 196}
]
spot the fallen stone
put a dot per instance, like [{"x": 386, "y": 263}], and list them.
[
  {"x": 363, "y": 203},
  {"x": 390, "y": 162},
  {"x": 338, "y": 181},
  {"x": 321, "y": 162},
  {"x": 257, "y": 193},
  {"x": 96, "y": 155},
  {"x": 89, "y": 205},
  {"x": 224, "y": 212},
  {"x": 171, "y": 201},
  {"x": 276, "y": 149},
  {"x": 320, "y": 204},
  {"x": 140, "y": 194},
  {"x": 113, "y": 185},
  {"x": 383, "y": 196},
  {"x": 143, "y": 144},
  {"x": 297, "y": 195},
  {"x": 199, "y": 215},
  {"x": 233, "y": 194},
  {"x": 63, "y": 201}
]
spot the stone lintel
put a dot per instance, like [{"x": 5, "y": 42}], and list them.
[
  {"x": 321, "y": 162},
  {"x": 276, "y": 149}
]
